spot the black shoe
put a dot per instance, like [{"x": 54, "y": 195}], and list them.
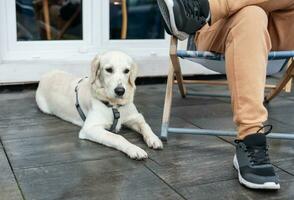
[
  {"x": 253, "y": 164},
  {"x": 184, "y": 17}
]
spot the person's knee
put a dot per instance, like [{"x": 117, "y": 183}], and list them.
[{"x": 254, "y": 17}]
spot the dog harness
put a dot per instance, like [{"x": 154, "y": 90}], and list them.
[{"x": 116, "y": 114}]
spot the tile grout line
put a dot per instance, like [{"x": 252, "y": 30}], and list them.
[
  {"x": 220, "y": 137},
  {"x": 172, "y": 188},
  {"x": 11, "y": 168},
  {"x": 206, "y": 182},
  {"x": 154, "y": 161},
  {"x": 277, "y": 120},
  {"x": 189, "y": 122},
  {"x": 282, "y": 169}
]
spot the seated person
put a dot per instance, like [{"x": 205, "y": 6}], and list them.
[{"x": 245, "y": 31}]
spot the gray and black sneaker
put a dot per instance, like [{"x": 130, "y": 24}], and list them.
[
  {"x": 184, "y": 17},
  {"x": 253, "y": 164}
]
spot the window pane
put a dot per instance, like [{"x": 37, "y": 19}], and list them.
[
  {"x": 135, "y": 19},
  {"x": 49, "y": 20}
]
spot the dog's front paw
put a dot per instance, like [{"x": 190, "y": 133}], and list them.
[
  {"x": 137, "y": 153},
  {"x": 154, "y": 142}
]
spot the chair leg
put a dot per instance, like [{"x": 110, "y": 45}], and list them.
[
  {"x": 124, "y": 29},
  {"x": 179, "y": 76},
  {"x": 288, "y": 87},
  {"x": 176, "y": 65},
  {"x": 47, "y": 19},
  {"x": 167, "y": 103},
  {"x": 282, "y": 84}
]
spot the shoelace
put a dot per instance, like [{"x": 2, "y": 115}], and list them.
[
  {"x": 258, "y": 154},
  {"x": 192, "y": 8}
]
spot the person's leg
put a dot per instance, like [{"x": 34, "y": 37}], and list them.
[
  {"x": 220, "y": 9},
  {"x": 246, "y": 43},
  {"x": 245, "y": 40},
  {"x": 246, "y": 64}
]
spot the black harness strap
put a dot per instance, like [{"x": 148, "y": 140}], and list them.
[
  {"x": 116, "y": 114},
  {"x": 79, "y": 109}
]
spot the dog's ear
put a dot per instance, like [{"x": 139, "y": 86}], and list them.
[
  {"x": 95, "y": 69},
  {"x": 133, "y": 74}
]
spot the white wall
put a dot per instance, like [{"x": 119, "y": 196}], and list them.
[{"x": 26, "y": 72}]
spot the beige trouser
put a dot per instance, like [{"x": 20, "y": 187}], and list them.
[{"x": 246, "y": 30}]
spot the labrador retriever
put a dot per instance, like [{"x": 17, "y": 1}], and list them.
[{"x": 109, "y": 89}]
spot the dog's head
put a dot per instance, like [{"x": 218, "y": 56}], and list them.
[{"x": 113, "y": 76}]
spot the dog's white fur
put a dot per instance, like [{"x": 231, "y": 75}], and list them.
[{"x": 56, "y": 95}]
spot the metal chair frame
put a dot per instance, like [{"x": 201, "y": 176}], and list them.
[{"x": 175, "y": 77}]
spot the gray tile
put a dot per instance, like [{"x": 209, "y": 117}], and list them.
[
  {"x": 57, "y": 146},
  {"x": 200, "y": 111},
  {"x": 281, "y": 149},
  {"x": 19, "y": 108},
  {"x": 150, "y": 111},
  {"x": 282, "y": 109},
  {"x": 156, "y": 97},
  {"x": 192, "y": 160},
  {"x": 184, "y": 148},
  {"x": 215, "y": 123},
  {"x": 231, "y": 189},
  {"x": 9, "y": 95},
  {"x": 45, "y": 128},
  {"x": 27, "y": 121},
  {"x": 155, "y": 123},
  {"x": 8, "y": 186},
  {"x": 114, "y": 178},
  {"x": 286, "y": 165},
  {"x": 50, "y": 161},
  {"x": 48, "y": 150}
]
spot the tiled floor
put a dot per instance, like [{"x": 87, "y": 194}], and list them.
[{"x": 41, "y": 156}]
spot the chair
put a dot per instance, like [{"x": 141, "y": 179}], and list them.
[{"x": 278, "y": 60}]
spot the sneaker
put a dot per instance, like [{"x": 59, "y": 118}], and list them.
[
  {"x": 253, "y": 164},
  {"x": 184, "y": 17}
]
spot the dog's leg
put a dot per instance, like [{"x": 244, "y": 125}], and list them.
[
  {"x": 138, "y": 124},
  {"x": 97, "y": 133}
]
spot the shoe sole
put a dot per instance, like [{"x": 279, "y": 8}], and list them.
[
  {"x": 166, "y": 9},
  {"x": 266, "y": 186}
]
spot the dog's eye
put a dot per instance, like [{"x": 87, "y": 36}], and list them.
[
  {"x": 109, "y": 70},
  {"x": 126, "y": 71}
]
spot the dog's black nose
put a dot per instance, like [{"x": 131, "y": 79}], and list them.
[{"x": 119, "y": 91}]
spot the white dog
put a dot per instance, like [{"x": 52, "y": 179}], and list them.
[{"x": 109, "y": 89}]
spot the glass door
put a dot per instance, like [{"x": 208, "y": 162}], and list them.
[
  {"x": 44, "y": 28},
  {"x": 44, "y": 20},
  {"x": 135, "y": 20},
  {"x": 134, "y": 26}
]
